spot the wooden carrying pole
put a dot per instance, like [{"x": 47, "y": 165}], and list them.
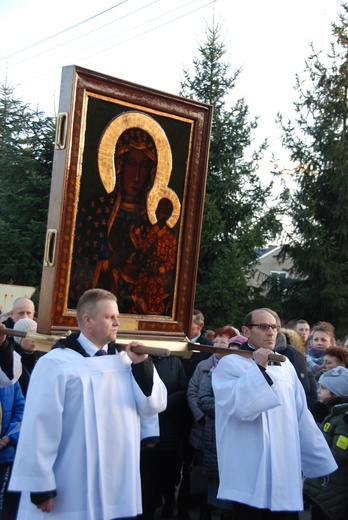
[{"x": 157, "y": 347}]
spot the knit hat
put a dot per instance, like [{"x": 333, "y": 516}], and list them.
[
  {"x": 336, "y": 380},
  {"x": 24, "y": 325},
  {"x": 237, "y": 340}
]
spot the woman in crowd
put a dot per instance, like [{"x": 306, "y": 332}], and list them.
[
  {"x": 222, "y": 337},
  {"x": 334, "y": 357},
  {"x": 206, "y": 402}
]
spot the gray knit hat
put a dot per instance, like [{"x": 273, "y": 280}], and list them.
[
  {"x": 336, "y": 380},
  {"x": 24, "y": 325}
]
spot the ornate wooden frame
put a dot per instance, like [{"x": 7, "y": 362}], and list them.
[{"x": 94, "y": 109}]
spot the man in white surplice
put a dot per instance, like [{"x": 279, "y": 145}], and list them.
[
  {"x": 265, "y": 434},
  {"x": 79, "y": 447}
]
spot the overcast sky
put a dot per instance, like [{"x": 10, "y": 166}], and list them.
[{"x": 149, "y": 42}]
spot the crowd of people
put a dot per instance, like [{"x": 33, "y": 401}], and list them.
[{"x": 87, "y": 436}]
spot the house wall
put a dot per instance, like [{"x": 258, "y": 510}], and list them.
[{"x": 268, "y": 264}]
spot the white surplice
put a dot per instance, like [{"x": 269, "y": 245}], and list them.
[
  {"x": 265, "y": 435},
  {"x": 81, "y": 435}
]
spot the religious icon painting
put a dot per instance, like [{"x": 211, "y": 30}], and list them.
[{"x": 126, "y": 205}]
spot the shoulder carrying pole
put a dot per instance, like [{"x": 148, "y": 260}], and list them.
[{"x": 155, "y": 347}]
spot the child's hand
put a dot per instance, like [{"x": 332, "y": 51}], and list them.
[{"x": 4, "y": 441}]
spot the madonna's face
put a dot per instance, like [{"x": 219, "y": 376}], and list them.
[{"x": 136, "y": 175}]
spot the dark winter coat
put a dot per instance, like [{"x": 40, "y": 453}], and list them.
[
  {"x": 330, "y": 493},
  {"x": 203, "y": 368},
  {"x": 206, "y": 403},
  {"x": 191, "y": 363},
  {"x": 189, "y": 367},
  {"x": 6, "y": 358},
  {"x": 172, "y": 373},
  {"x": 28, "y": 364}
]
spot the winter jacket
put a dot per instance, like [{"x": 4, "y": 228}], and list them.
[
  {"x": 330, "y": 493},
  {"x": 202, "y": 369},
  {"x": 171, "y": 419},
  {"x": 191, "y": 363},
  {"x": 6, "y": 358},
  {"x": 28, "y": 363},
  {"x": 206, "y": 403},
  {"x": 12, "y": 408}
]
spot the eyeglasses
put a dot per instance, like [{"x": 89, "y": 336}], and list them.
[{"x": 264, "y": 326}]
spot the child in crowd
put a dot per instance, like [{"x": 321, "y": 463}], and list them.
[
  {"x": 11, "y": 411},
  {"x": 321, "y": 338},
  {"x": 328, "y": 495}
]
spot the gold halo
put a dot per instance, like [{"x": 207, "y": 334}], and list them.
[{"x": 106, "y": 163}]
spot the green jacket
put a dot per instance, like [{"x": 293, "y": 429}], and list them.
[{"x": 330, "y": 493}]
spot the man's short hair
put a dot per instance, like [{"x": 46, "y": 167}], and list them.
[
  {"x": 90, "y": 299},
  {"x": 323, "y": 328},
  {"x": 248, "y": 320},
  {"x": 198, "y": 317},
  {"x": 301, "y": 322}
]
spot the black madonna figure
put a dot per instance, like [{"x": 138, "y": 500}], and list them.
[
  {"x": 124, "y": 238},
  {"x": 110, "y": 226}
]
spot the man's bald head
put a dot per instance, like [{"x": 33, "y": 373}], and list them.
[{"x": 22, "y": 308}]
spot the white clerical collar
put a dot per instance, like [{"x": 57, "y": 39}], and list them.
[{"x": 89, "y": 346}]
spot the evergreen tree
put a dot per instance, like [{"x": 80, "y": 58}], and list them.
[
  {"x": 237, "y": 220},
  {"x": 26, "y": 154},
  {"x": 318, "y": 145}
]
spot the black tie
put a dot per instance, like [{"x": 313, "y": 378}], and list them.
[{"x": 100, "y": 352}]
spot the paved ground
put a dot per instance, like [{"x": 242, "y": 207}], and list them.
[{"x": 216, "y": 515}]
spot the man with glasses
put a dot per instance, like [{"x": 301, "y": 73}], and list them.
[{"x": 266, "y": 436}]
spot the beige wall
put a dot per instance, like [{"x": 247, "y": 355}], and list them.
[
  {"x": 8, "y": 293},
  {"x": 266, "y": 265}
]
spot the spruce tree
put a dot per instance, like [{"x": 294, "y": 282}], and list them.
[
  {"x": 318, "y": 145},
  {"x": 237, "y": 219},
  {"x": 26, "y": 154}
]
